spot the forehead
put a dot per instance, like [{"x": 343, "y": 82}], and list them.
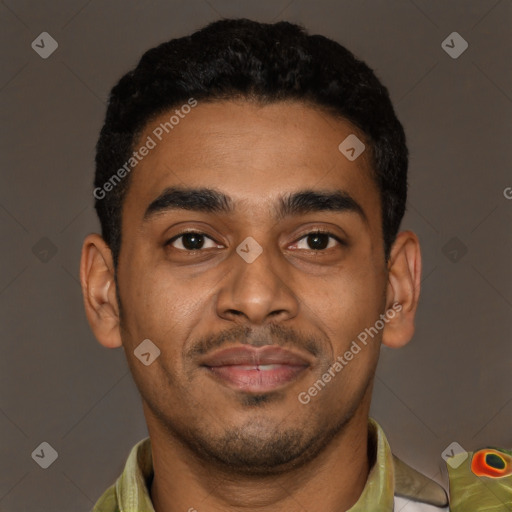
[{"x": 252, "y": 153}]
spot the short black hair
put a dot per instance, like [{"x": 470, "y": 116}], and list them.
[{"x": 244, "y": 59}]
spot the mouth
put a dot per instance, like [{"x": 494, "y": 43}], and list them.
[{"x": 255, "y": 369}]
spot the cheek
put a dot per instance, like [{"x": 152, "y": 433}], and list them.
[
  {"x": 358, "y": 287},
  {"x": 159, "y": 308},
  {"x": 351, "y": 302}
]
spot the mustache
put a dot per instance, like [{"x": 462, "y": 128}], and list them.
[{"x": 272, "y": 334}]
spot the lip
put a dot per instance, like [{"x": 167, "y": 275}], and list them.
[{"x": 255, "y": 369}]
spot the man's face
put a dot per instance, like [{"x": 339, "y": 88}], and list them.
[{"x": 195, "y": 296}]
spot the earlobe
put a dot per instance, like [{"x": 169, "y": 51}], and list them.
[
  {"x": 98, "y": 290},
  {"x": 404, "y": 278}
]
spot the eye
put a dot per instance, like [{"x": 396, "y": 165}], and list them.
[
  {"x": 191, "y": 241},
  {"x": 319, "y": 240}
]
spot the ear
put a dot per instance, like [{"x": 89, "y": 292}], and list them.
[
  {"x": 99, "y": 291},
  {"x": 403, "y": 289}
]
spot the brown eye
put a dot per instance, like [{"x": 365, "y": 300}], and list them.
[
  {"x": 319, "y": 241},
  {"x": 191, "y": 241}
]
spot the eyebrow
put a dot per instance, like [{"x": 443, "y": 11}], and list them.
[{"x": 208, "y": 200}]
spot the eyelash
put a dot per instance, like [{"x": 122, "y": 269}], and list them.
[{"x": 314, "y": 232}]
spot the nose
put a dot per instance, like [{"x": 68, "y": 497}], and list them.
[{"x": 257, "y": 291}]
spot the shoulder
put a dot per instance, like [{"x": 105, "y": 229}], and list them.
[{"x": 107, "y": 501}]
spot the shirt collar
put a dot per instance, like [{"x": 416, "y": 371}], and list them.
[
  {"x": 132, "y": 487},
  {"x": 378, "y": 492}
]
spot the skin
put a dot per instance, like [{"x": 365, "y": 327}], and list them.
[{"x": 216, "y": 448}]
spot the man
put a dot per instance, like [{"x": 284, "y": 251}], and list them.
[{"x": 250, "y": 184}]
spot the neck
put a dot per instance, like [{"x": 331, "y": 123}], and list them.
[{"x": 334, "y": 480}]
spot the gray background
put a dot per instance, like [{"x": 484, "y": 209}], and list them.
[{"x": 57, "y": 384}]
